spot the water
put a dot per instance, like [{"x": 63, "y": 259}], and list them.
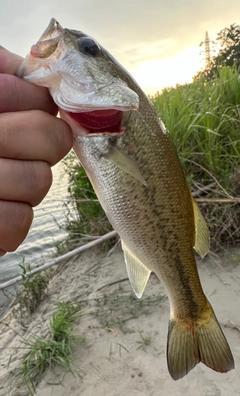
[{"x": 45, "y": 232}]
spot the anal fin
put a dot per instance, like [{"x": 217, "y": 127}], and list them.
[{"x": 138, "y": 273}]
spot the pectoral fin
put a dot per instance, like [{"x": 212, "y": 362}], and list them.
[
  {"x": 138, "y": 273},
  {"x": 202, "y": 238},
  {"x": 125, "y": 163}
]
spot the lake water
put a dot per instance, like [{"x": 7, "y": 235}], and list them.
[{"x": 45, "y": 232}]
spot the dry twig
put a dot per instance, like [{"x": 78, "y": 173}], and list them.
[{"x": 231, "y": 325}]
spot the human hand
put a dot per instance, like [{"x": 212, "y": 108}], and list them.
[{"x": 32, "y": 140}]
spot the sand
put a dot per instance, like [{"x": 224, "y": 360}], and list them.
[{"x": 124, "y": 353}]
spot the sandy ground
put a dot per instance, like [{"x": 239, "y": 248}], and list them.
[{"x": 124, "y": 352}]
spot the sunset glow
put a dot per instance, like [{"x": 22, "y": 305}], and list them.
[{"x": 154, "y": 75}]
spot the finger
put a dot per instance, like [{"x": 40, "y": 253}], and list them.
[
  {"x": 16, "y": 219},
  {"x": 24, "y": 181},
  {"x": 9, "y": 62},
  {"x": 18, "y": 95},
  {"x": 34, "y": 135}
]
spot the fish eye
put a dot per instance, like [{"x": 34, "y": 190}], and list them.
[{"x": 88, "y": 46}]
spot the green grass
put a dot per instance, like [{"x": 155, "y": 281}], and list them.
[
  {"x": 56, "y": 350},
  {"x": 113, "y": 311},
  {"x": 32, "y": 291},
  {"x": 203, "y": 119}
]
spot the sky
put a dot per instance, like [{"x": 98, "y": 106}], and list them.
[{"x": 157, "y": 41}]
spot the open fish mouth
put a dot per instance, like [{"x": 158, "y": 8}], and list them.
[
  {"x": 100, "y": 121},
  {"x": 90, "y": 111}
]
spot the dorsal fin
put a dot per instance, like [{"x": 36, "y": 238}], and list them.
[
  {"x": 202, "y": 237},
  {"x": 138, "y": 273}
]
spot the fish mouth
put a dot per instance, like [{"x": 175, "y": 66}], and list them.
[{"x": 100, "y": 121}]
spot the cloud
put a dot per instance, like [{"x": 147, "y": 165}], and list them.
[
  {"x": 118, "y": 23},
  {"x": 147, "y": 50}
]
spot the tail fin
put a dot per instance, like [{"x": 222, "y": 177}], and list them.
[{"x": 192, "y": 342}]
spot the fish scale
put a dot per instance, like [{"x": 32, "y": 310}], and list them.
[{"x": 137, "y": 176}]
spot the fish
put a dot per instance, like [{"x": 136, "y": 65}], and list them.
[{"x": 135, "y": 171}]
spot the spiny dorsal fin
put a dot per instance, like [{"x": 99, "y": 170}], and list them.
[
  {"x": 202, "y": 237},
  {"x": 138, "y": 273},
  {"x": 125, "y": 163}
]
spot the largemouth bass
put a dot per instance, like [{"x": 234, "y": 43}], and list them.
[{"x": 134, "y": 168}]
